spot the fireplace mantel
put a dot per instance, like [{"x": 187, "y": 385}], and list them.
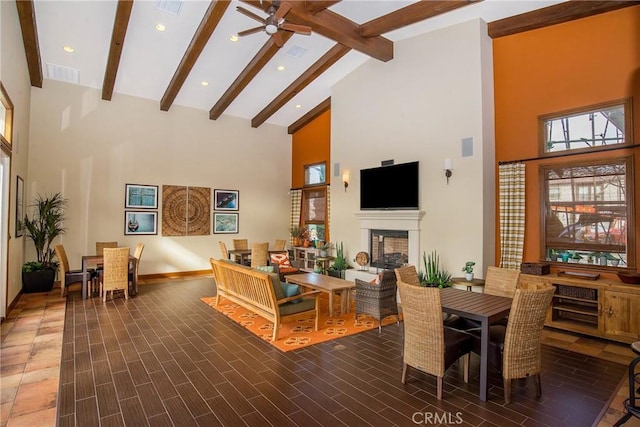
[{"x": 408, "y": 220}]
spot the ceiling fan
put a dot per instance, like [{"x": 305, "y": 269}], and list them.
[{"x": 274, "y": 22}]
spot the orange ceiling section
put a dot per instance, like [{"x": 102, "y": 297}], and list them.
[{"x": 311, "y": 144}]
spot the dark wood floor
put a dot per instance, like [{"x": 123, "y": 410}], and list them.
[{"x": 166, "y": 358}]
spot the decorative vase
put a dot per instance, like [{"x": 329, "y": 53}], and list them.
[
  {"x": 305, "y": 243},
  {"x": 564, "y": 257},
  {"x": 468, "y": 276},
  {"x": 323, "y": 252}
]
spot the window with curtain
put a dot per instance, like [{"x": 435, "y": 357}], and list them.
[
  {"x": 588, "y": 218},
  {"x": 313, "y": 214}
]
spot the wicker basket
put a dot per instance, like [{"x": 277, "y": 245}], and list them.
[{"x": 537, "y": 268}]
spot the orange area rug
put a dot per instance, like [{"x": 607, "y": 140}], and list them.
[{"x": 299, "y": 333}]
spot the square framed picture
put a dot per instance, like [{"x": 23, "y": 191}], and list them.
[
  {"x": 140, "y": 222},
  {"x": 225, "y": 223},
  {"x": 226, "y": 200},
  {"x": 141, "y": 196}
]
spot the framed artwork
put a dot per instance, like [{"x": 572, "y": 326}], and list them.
[
  {"x": 140, "y": 222},
  {"x": 226, "y": 200},
  {"x": 19, "y": 207},
  {"x": 225, "y": 223},
  {"x": 141, "y": 196}
]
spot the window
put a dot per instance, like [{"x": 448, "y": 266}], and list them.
[
  {"x": 315, "y": 174},
  {"x": 314, "y": 212},
  {"x": 586, "y": 129},
  {"x": 6, "y": 117},
  {"x": 586, "y": 213}
]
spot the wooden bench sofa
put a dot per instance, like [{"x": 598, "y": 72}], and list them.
[{"x": 262, "y": 293}]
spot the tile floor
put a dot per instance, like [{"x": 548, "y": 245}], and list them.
[{"x": 31, "y": 348}]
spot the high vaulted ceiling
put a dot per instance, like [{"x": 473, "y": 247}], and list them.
[{"x": 118, "y": 50}]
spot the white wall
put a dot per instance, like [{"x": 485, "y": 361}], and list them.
[
  {"x": 435, "y": 92},
  {"x": 89, "y": 149},
  {"x": 15, "y": 78}
]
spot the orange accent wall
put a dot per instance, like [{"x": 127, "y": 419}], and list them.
[
  {"x": 311, "y": 144},
  {"x": 564, "y": 66}
]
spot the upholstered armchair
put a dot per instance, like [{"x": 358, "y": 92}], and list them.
[{"x": 377, "y": 299}]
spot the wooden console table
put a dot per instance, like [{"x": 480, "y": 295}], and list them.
[{"x": 600, "y": 308}]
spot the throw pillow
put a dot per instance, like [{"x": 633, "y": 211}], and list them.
[
  {"x": 290, "y": 290},
  {"x": 266, "y": 268},
  {"x": 282, "y": 259},
  {"x": 376, "y": 280}
]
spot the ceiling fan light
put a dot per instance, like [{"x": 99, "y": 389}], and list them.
[{"x": 271, "y": 29}]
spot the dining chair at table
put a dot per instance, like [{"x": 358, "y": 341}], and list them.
[
  {"x": 259, "y": 254},
  {"x": 67, "y": 276},
  {"x": 137, "y": 254},
  {"x": 429, "y": 346},
  {"x": 116, "y": 272},
  {"x": 514, "y": 349},
  {"x": 224, "y": 252},
  {"x": 101, "y": 245},
  {"x": 501, "y": 281},
  {"x": 240, "y": 244}
]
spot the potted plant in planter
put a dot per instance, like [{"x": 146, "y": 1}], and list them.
[
  {"x": 297, "y": 233},
  {"x": 433, "y": 275},
  {"x": 45, "y": 224},
  {"x": 340, "y": 263},
  {"x": 324, "y": 248},
  {"x": 468, "y": 270}
]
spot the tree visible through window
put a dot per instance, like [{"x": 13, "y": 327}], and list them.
[
  {"x": 314, "y": 212},
  {"x": 587, "y": 213}
]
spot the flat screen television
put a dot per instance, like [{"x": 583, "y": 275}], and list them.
[{"x": 391, "y": 187}]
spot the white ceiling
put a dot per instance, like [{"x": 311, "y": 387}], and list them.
[{"x": 150, "y": 58}]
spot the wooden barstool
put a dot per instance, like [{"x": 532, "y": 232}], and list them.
[{"x": 632, "y": 404}]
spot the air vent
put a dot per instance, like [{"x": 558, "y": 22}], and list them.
[
  {"x": 170, "y": 6},
  {"x": 63, "y": 74},
  {"x": 296, "y": 51}
]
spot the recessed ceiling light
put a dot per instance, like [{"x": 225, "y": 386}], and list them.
[
  {"x": 204, "y": 83},
  {"x": 280, "y": 67},
  {"x": 298, "y": 106},
  {"x": 160, "y": 27},
  {"x": 234, "y": 37},
  {"x": 69, "y": 49}
]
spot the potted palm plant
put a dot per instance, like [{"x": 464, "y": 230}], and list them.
[{"x": 45, "y": 224}]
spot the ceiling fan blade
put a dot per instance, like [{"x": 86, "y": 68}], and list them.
[
  {"x": 298, "y": 29},
  {"x": 277, "y": 38},
  {"x": 250, "y": 14},
  {"x": 282, "y": 10},
  {"x": 251, "y": 31}
]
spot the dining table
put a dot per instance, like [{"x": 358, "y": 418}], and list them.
[
  {"x": 244, "y": 255},
  {"x": 98, "y": 261},
  {"x": 483, "y": 308}
]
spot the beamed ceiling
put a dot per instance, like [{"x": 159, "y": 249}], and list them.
[{"x": 118, "y": 50}]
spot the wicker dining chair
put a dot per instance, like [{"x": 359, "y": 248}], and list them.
[
  {"x": 377, "y": 300},
  {"x": 101, "y": 245},
  {"x": 137, "y": 254},
  {"x": 223, "y": 250},
  {"x": 409, "y": 274},
  {"x": 280, "y": 245},
  {"x": 240, "y": 244},
  {"x": 501, "y": 281},
  {"x": 259, "y": 254},
  {"x": 116, "y": 272},
  {"x": 429, "y": 346},
  {"x": 68, "y": 277},
  {"x": 514, "y": 350}
]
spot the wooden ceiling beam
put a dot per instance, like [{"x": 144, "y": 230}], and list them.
[
  {"x": 310, "y": 116},
  {"x": 250, "y": 71},
  {"x": 315, "y": 6},
  {"x": 207, "y": 26},
  {"x": 27, "y": 17},
  {"x": 551, "y": 15},
  {"x": 312, "y": 73},
  {"x": 335, "y": 27},
  {"x": 416, "y": 12},
  {"x": 120, "y": 25}
]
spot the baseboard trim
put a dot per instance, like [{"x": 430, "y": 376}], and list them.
[{"x": 175, "y": 275}]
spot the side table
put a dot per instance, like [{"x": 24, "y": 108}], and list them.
[{"x": 468, "y": 283}]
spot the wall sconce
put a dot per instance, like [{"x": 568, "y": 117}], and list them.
[
  {"x": 345, "y": 180},
  {"x": 448, "y": 169}
]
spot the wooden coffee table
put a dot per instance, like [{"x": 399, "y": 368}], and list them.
[{"x": 328, "y": 284}]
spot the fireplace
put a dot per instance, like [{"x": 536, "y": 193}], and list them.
[
  {"x": 406, "y": 221},
  {"x": 389, "y": 248}
]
